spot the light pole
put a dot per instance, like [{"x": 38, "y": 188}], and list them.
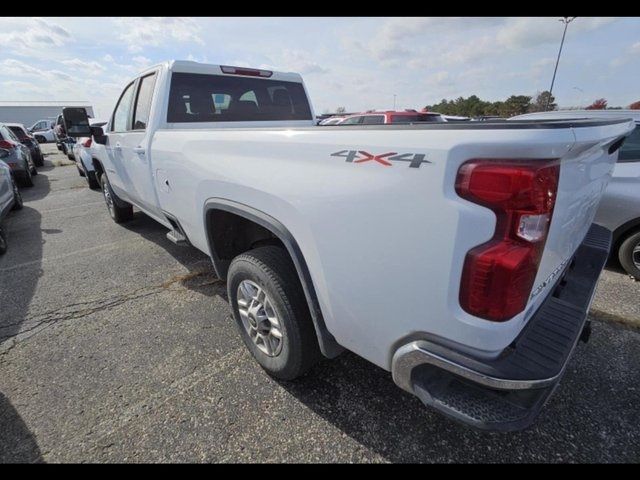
[{"x": 566, "y": 21}]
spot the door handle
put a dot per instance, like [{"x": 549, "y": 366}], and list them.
[{"x": 139, "y": 150}]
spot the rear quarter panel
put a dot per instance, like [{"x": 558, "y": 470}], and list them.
[{"x": 384, "y": 244}]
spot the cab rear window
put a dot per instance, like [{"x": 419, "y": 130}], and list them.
[{"x": 195, "y": 97}]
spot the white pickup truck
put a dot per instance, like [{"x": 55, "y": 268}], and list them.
[{"x": 459, "y": 256}]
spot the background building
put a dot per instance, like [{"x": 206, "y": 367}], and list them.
[{"x": 29, "y": 113}]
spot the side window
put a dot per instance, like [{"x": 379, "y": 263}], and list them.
[
  {"x": 373, "y": 119},
  {"x": 121, "y": 114},
  {"x": 143, "y": 103},
  {"x": 630, "y": 150},
  {"x": 11, "y": 135},
  {"x": 39, "y": 126},
  {"x": 352, "y": 121}
]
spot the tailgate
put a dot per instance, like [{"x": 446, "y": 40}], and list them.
[{"x": 584, "y": 174}]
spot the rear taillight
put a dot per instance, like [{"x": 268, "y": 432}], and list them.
[
  {"x": 498, "y": 275},
  {"x": 87, "y": 143},
  {"x": 7, "y": 144}
]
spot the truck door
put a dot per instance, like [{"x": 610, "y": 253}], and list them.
[{"x": 128, "y": 145}]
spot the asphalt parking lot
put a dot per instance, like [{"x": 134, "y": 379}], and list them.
[{"x": 116, "y": 345}]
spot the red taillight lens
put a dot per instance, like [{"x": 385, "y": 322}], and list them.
[
  {"x": 498, "y": 275},
  {"x": 7, "y": 144},
  {"x": 87, "y": 143}
]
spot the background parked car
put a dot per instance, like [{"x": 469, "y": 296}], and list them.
[
  {"x": 29, "y": 141},
  {"x": 42, "y": 130},
  {"x": 373, "y": 118},
  {"x": 331, "y": 121},
  {"x": 619, "y": 208},
  {"x": 84, "y": 151},
  {"x": 18, "y": 158},
  {"x": 64, "y": 142},
  {"x": 10, "y": 198}
]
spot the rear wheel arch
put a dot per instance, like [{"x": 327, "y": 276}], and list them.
[{"x": 217, "y": 209}]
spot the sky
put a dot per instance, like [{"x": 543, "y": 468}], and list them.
[{"x": 357, "y": 63}]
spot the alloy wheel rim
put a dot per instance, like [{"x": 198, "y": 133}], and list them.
[
  {"x": 17, "y": 195},
  {"x": 107, "y": 197},
  {"x": 635, "y": 255},
  {"x": 259, "y": 318}
]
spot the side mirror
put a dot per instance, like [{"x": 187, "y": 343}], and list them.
[
  {"x": 98, "y": 135},
  {"x": 76, "y": 122},
  {"x": 4, "y": 153}
]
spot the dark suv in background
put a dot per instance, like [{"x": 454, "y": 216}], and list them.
[{"x": 28, "y": 141}]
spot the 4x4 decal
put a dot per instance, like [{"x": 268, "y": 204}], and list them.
[{"x": 360, "y": 156}]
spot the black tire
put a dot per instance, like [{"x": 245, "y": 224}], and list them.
[
  {"x": 92, "y": 180},
  {"x": 626, "y": 254},
  {"x": 39, "y": 160},
  {"x": 26, "y": 180},
  {"x": 80, "y": 171},
  {"x": 273, "y": 271},
  {"x": 40, "y": 139},
  {"x": 3, "y": 242},
  {"x": 71, "y": 157},
  {"x": 63, "y": 148},
  {"x": 17, "y": 198},
  {"x": 119, "y": 210}
]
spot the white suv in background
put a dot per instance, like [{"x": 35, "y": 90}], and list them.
[
  {"x": 43, "y": 130},
  {"x": 619, "y": 208}
]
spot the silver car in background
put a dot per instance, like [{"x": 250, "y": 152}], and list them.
[
  {"x": 10, "y": 198},
  {"x": 18, "y": 157},
  {"x": 619, "y": 208}
]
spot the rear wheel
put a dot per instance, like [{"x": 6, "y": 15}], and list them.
[
  {"x": 271, "y": 312},
  {"x": 92, "y": 180},
  {"x": 119, "y": 210},
  {"x": 629, "y": 254},
  {"x": 39, "y": 160},
  {"x": 27, "y": 180},
  {"x": 3, "y": 242},
  {"x": 17, "y": 198}
]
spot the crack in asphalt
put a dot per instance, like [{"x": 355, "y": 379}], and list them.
[{"x": 74, "y": 311}]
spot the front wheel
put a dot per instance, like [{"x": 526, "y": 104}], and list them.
[
  {"x": 119, "y": 210},
  {"x": 271, "y": 312},
  {"x": 17, "y": 198},
  {"x": 629, "y": 255}
]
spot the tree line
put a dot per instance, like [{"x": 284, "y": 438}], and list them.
[{"x": 473, "y": 106}]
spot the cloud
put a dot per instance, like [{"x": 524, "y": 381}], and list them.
[
  {"x": 90, "y": 67},
  {"x": 139, "y": 33},
  {"x": 532, "y": 32},
  {"x": 632, "y": 52},
  {"x": 141, "y": 62},
  {"x": 15, "y": 68},
  {"x": 34, "y": 34}
]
